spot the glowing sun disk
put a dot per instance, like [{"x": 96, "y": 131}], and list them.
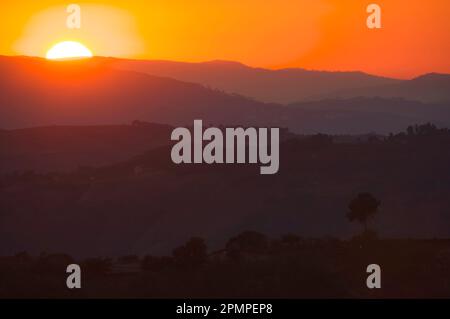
[{"x": 68, "y": 50}]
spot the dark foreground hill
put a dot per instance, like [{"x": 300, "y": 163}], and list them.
[
  {"x": 251, "y": 265},
  {"x": 147, "y": 204}
]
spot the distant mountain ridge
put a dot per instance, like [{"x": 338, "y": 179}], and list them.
[
  {"x": 272, "y": 86},
  {"x": 294, "y": 84},
  {"x": 431, "y": 87},
  {"x": 37, "y": 92}
]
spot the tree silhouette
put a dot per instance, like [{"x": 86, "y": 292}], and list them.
[
  {"x": 247, "y": 242},
  {"x": 192, "y": 254},
  {"x": 362, "y": 208}
]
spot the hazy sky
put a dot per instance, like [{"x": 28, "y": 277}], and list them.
[{"x": 320, "y": 34}]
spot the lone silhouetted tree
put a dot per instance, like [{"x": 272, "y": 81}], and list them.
[{"x": 362, "y": 208}]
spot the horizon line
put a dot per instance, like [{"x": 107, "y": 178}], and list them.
[{"x": 230, "y": 62}]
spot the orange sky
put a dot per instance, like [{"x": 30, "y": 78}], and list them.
[{"x": 320, "y": 34}]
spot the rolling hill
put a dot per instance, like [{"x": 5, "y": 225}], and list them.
[
  {"x": 68, "y": 148},
  {"x": 432, "y": 87},
  {"x": 36, "y": 92},
  {"x": 114, "y": 210},
  {"x": 273, "y": 86},
  {"x": 294, "y": 85}
]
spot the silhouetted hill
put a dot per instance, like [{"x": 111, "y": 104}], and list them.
[
  {"x": 279, "y": 86},
  {"x": 41, "y": 93},
  {"x": 147, "y": 204},
  {"x": 431, "y": 87},
  {"x": 357, "y": 113},
  {"x": 66, "y": 148},
  {"x": 251, "y": 265},
  {"x": 91, "y": 92}
]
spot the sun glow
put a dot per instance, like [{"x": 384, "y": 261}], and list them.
[{"x": 68, "y": 50}]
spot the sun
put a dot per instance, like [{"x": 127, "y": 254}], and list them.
[{"x": 68, "y": 50}]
